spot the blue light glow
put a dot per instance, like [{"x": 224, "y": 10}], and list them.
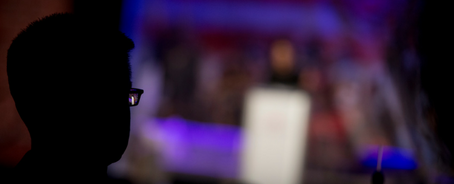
[{"x": 393, "y": 158}]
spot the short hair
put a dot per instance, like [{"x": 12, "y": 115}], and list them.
[{"x": 65, "y": 52}]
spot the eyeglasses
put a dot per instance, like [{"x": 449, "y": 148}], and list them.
[{"x": 134, "y": 96}]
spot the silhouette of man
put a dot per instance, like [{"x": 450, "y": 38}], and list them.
[{"x": 70, "y": 80}]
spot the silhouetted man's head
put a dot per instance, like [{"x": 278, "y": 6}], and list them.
[{"x": 70, "y": 80}]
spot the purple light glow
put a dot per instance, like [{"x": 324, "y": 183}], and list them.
[{"x": 197, "y": 148}]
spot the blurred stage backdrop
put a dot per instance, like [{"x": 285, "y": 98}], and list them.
[{"x": 356, "y": 60}]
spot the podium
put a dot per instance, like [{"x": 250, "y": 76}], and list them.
[{"x": 275, "y": 134}]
